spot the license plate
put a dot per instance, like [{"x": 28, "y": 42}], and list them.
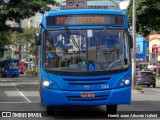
[
  {"x": 147, "y": 82},
  {"x": 87, "y": 95}
]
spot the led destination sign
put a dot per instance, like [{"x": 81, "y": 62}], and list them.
[{"x": 115, "y": 20}]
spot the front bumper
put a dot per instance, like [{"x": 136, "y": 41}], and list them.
[
  {"x": 51, "y": 97},
  {"x": 13, "y": 73}
]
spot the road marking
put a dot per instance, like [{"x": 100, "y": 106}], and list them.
[
  {"x": 26, "y": 83},
  {"x": 5, "y": 80},
  {"x": 16, "y": 93},
  {"x": 20, "y": 92},
  {"x": 24, "y": 97},
  {"x": 21, "y": 102},
  {"x": 6, "y": 84}
]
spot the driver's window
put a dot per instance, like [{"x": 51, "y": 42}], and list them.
[
  {"x": 50, "y": 42},
  {"x": 50, "y": 49},
  {"x": 126, "y": 45}
]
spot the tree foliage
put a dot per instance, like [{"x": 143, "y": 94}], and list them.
[
  {"x": 4, "y": 40},
  {"x": 17, "y": 10},
  {"x": 21, "y": 9},
  {"x": 24, "y": 37},
  {"x": 28, "y": 36},
  {"x": 147, "y": 16}
]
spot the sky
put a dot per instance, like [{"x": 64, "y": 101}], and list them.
[{"x": 124, "y": 4}]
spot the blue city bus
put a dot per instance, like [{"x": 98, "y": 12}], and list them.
[
  {"x": 9, "y": 67},
  {"x": 84, "y": 58}
]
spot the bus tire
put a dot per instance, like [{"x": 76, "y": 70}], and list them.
[
  {"x": 50, "y": 110},
  {"x": 111, "y": 109}
]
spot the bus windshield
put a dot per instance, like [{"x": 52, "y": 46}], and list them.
[
  {"x": 85, "y": 50},
  {"x": 13, "y": 65}
]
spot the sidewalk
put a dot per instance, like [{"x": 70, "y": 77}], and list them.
[
  {"x": 24, "y": 75},
  {"x": 157, "y": 81}
]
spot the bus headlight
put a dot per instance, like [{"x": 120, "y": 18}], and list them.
[
  {"x": 124, "y": 82},
  {"x": 45, "y": 83},
  {"x": 127, "y": 82}
]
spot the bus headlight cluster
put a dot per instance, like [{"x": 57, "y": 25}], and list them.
[
  {"x": 46, "y": 83},
  {"x": 127, "y": 82},
  {"x": 49, "y": 84},
  {"x": 124, "y": 82}
]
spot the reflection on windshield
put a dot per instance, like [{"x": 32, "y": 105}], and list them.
[{"x": 94, "y": 52}]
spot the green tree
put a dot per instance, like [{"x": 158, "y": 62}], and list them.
[
  {"x": 147, "y": 16},
  {"x": 17, "y": 10},
  {"x": 4, "y": 41},
  {"x": 28, "y": 36},
  {"x": 24, "y": 38}
]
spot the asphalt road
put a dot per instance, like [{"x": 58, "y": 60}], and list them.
[{"x": 21, "y": 94}]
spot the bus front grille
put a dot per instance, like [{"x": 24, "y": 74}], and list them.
[{"x": 86, "y": 81}]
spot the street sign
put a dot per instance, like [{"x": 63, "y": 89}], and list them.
[{"x": 72, "y": 4}]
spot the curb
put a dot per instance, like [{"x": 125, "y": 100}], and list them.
[
  {"x": 28, "y": 76},
  {"x": 137, "y": 91}
]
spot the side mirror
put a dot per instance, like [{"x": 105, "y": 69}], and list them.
[
  {"x": 131, "y": 40},
  {"x": 38, "y": 38}
]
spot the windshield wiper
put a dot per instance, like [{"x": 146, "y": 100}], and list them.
[
  {"x": 101, "y": 38},
  {"x": 72, "y": 38}
]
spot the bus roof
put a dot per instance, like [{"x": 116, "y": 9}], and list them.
[{"x": 84, "y": 11}]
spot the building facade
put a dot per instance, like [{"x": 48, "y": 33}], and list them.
[
  {"x": 96, "y": 4},
  {"x": 142, "y": 52},
  {"x": 154, "y": 48}
]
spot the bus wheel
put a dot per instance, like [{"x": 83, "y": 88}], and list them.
[
  {"x": 50, "y": 110},
  {"x": 111, "y": 109}
]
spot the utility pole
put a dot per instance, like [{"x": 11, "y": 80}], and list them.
[
  {"x": 28, "y": 56},
  {"x": 19, "y": 51},
  {"x": 157, "y": 62},
  {"x": 158, "y": 68},
  {"x": 134, "y": 45},
  {"x": 19, "y": 47}
]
